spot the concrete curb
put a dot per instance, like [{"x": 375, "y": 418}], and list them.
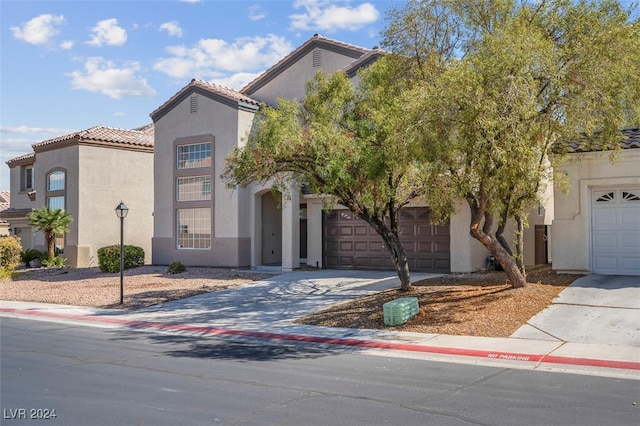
[{"x": 548, "y": 357}]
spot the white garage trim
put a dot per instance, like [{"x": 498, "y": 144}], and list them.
[{"x": 615, "y": 231}]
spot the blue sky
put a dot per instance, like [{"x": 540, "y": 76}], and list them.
[{"x": 71, "y": 65}]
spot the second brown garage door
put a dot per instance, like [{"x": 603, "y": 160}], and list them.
[{"x": 351, "y": 243}]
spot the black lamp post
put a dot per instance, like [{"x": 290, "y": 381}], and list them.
[{"x": 121, "y": 211}]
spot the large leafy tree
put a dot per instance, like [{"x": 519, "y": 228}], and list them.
[
  {"x": 52, "y": 222},
  {"x": 497, "y": 86},
  {"x": 345, "y": 142}
]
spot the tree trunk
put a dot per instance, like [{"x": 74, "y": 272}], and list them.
[
  {"x": 520, "y": 246},
  {"x": 395, "y": 247},
  {"x": 399, "y": 256},
  {"x": 51, "y": 243},
  {"x": 483, "y": 235}
]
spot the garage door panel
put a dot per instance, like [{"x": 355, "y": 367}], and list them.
[
  {"x": 631, "y": 265},
  {"x": 427, "y": 246},
  {"x": 630, "y": 218},
  {"x": 631, "y": 242},
  {"x": 346, "y": 245},
  {"x": 360, "y": 246},
  {"x": 361, "y": 230},
  {"x": 615, "y": 231},
  {"x": 605, "y": 241},
  {"x": 346, "y": 230}
]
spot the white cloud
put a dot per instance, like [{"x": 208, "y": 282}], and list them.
[
  {"x": 256, "y": 13},
  {"x": 66, "y": 45},
  {"x": 34, "y": 130},
  {"x": 327, "y": 15},
  {"x": 217, "y": 59},
  {"x": 40, "y": 29},
  {"x": 172, "y": 28},
  {"x": 108, "y": 32},
  {"x": 104, "y": 77}
]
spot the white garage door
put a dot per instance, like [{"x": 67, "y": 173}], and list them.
[{"x": 615, "y": 231}]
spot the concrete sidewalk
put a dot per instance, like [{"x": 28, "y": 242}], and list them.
[{"x": 266, "y": 309}]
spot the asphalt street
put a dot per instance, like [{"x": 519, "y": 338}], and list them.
[{"x": 126, "y": 376}]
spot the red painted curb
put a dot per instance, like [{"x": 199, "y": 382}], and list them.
[{"x": 370, "y": 344}]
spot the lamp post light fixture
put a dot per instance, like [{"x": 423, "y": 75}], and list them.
[{"x": 121, "y": 211}]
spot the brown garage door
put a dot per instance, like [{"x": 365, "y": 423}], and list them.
[{"x": 351, "y": 243}]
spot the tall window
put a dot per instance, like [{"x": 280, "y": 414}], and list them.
[
  {"x": 194, "y": 228},
  {"x": 55, "y": 198},
  {"x": 28, "y": 181},
  {"x": 194, "y": 188},
  {"x": 193, "y": 175},
  {"x": 194, "y": 155},
  {"x": 56, "y": 189}
]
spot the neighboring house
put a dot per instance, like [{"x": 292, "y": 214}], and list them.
[
  {"x": 5, "y": 197},
  {"x": 198, "y": 221},
  {"x": 597, "y": 223},
  {"x": 86, "y": 173}
]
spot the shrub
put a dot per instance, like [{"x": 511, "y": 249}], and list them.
[
  {"x": 56, "y": 262},
  {"x": 30, "y": 255},
  {"x": 109, "y": 257},
  {"x": 10, "y": 249},
  {"x": 176, "y": 268}
]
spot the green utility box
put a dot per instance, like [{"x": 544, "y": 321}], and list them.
[{"x": 400, "y": 310}]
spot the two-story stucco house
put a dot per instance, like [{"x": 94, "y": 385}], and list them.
[
  {"x": 597, "y": 222},
  {"x": 198, "y": 221},
  {"x": 86, "y": 173}
]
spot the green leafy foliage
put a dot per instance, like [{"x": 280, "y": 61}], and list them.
[
  {"x": 30, "y": 255},
  {"x": 497, "y": 88},
  {"x": 52, "y": 222},
  {"x": 345, "y": 142},
  {"x": 10, "y": 249},
  {"x": 109, "y": 257},
  {"x": 55, "y": 262},
  {"x": 176, "y": 268}
]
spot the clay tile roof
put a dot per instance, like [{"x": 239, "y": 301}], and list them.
[
  {"x": 631, "y": 140},
  {"x": 5, "y": 198},
  {"x": 113, "y": 135},
  {"x": 29, "y": 156},
  {"x": 348, "y": 49},
  {"x": 211, "y": 88}
]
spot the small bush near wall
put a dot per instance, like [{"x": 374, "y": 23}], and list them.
[
  {"x": 176, "y": 268},
  {"x": 109, "y": 258},
  {"x": 10, "y": 253}
]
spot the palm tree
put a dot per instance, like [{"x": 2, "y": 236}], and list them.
[{"x": 52, "y": 222}]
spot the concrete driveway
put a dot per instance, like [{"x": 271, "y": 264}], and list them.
[{"x": 600, "y": 309}]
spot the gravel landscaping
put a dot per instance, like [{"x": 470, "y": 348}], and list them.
[{"x": 477, "y": 304}]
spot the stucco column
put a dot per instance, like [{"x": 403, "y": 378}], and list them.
[
  {"x": 314, "y": 232},
  {"x": 291, "y": 230}
]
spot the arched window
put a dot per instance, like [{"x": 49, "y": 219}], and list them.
[{"x": 56, "y": 184}]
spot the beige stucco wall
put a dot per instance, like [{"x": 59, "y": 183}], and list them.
[
  {"x": 231, "y": 226},
  {"x": 571, "y": 225},
  {"x": 107, "y": 176},
  {"x": 291, "y": 84}
]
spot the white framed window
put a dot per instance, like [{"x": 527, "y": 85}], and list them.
[
  {"x": 28, "y": 178},
  {"x": 193, "y": 188},
  {"x": 193, "y": 155},
  {"x": 193, "y": 228}
]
